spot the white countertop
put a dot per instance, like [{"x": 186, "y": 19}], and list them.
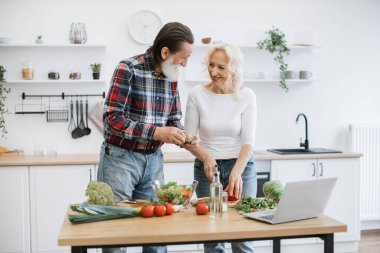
[{"x": 172, "y": 157}]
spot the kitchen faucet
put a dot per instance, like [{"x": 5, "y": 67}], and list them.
[{"x": 306, "y": 143}]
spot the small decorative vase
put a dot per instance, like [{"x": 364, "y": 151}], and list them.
[
  {"x": 95, "y": 76},
  {"x": 39, "y": 40},
  {"x": 78, "y": 34}
]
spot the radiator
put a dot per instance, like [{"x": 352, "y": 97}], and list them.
[{"x": 365, "y": 139}]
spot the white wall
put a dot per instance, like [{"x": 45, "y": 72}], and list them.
[{"x": 347, "y": 33}]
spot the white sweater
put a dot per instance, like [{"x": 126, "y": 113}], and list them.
[{"x": 224, "y": 122}]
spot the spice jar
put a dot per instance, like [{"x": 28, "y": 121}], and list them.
[
  {"x": 225, "y": 202},
  {"x": 27, "y": 70}
]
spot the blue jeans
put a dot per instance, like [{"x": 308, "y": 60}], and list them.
[
  {"x": 249, "y": 188},
  {"x": 130, "y": 175}
]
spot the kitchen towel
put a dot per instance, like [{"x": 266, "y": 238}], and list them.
[{"x": 96, "y": 116}]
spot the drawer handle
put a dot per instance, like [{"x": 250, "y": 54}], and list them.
[
  {"x": 321, "y": 166},
  {"x": 314, "y": 169}
]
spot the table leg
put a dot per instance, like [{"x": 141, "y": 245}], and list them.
[
  {"x": 78, "y": 249},
  {"x": 329, "y": 243},
  {"x": 276, "y": 245}
]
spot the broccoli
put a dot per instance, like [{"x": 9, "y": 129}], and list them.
[{"x": 99, "y": 193}]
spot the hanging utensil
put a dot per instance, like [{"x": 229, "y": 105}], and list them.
[
  {"x": 72, "y": 125},
  {"x": 77, "y": 132},
  {"x": 87, "y": 130},
  {"x": 81, "y": 123}
]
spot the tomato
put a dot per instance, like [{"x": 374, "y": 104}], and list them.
[
  {"x": 201, "y": 209},
  {"x": 147, "y": 211},
  {"x": 169, "y": 209},
  {"x": 232, "y": 198},
  {"x": 159, "y": 210}
]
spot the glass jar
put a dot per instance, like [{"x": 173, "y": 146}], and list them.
[
  {"x": 225, "y": 202},
  {"x": 27, "y": 70}
]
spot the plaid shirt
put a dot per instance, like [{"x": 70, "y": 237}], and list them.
[{"x": 138, "y": 102}]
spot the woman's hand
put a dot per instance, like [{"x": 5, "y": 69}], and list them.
[
  {"x": 191, "y": 142},
  {"x": 235, "y": 184},
  {"x": 209, "y": 167}
]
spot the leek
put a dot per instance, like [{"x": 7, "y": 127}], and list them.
[{"x": 92, "y": 213}]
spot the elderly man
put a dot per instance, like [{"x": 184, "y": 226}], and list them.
[{"x": 142, "y": 112}]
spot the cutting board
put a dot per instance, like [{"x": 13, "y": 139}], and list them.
[{"x": 12, "y": 154}]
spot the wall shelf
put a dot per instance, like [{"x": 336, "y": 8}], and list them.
[
  {"x": 296, "y": 46},
  {"x": 56, "y": 81},
  {"x": 258, "y": 80},
  {"x": 257, "y": 63},
  {"x": 56, "y": 45}
]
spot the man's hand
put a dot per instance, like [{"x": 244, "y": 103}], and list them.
[{"x": 171, "y": 135}]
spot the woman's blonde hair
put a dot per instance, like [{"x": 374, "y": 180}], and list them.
[{"x": 235, "y": 61}]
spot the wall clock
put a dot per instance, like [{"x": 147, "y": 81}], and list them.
[{"x": 144, "y": 26}]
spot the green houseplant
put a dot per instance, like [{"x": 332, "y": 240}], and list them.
[
  {"x": 275, "y": 44},
  {"x": 96, "y": 67},
  {"x": 3, "y": 109}
]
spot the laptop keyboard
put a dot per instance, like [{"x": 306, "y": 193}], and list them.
[{"x": 267, "y": 217}]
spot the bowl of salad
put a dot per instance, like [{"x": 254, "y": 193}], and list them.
[{"x": 175, "y": 193}]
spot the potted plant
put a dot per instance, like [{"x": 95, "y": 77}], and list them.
[
  {"x": 275, "y": 44},
  {"x": 3, "y": 109},
  {"x": 96, "y": 67}
]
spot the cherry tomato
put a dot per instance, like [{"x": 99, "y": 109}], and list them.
[
  {"x": 232, "y": 198},
  {"x": 147, "y": 211},
  {"x": 159, "y": 210},
  {"x": 169, "y": 209},
  {"x": 201, "y": 209}
]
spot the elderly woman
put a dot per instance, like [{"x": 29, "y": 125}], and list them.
[{"x": 223, "y": 113}]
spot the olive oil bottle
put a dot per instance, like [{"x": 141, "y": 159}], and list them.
[{"x": 216, "y": 199}]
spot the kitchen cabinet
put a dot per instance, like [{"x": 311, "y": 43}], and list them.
[
  {"x": 14, "y": 211},
  {"x": 344, "y": 202},
  {"x": 259, "y": 66},
  {"x": 52, "y": 190}
]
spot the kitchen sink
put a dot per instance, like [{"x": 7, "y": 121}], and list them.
[{"x": 297, "y": 151}]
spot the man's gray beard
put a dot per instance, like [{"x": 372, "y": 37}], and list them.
[{"x": 170, "y": 70}]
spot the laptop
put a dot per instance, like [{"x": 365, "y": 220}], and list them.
[{"x": 299, "y": 200}]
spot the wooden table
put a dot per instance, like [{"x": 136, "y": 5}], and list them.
[{"x": 186, "y": 228}]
